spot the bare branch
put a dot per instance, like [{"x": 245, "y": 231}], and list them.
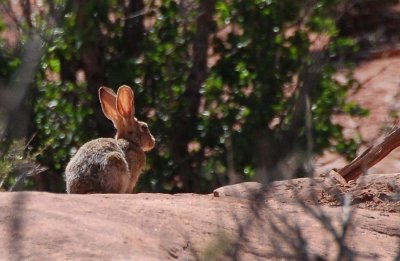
[{"x": 371, "y": 156}]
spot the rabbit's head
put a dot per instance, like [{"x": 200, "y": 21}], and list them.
[{"x": 120, "y": 109}]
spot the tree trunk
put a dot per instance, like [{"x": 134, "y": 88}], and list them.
[
  {"x": 186, "y": 118},
  {"x": 133, "y": 28},
  {"x": 92, "y": 55},
  {"x": 281, "y": 154}
]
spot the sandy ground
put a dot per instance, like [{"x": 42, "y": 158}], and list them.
[{"x": 297, "y": 219}]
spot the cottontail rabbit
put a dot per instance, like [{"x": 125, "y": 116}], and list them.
[{"x": 107, "y": 165}]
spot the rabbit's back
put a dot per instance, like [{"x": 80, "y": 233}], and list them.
[{"x": 99, "y": 166}]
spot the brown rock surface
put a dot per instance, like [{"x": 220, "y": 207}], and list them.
[{"x": 44, "y": 226}]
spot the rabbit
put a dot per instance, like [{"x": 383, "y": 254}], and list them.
[{"x": 108, "y": 165}]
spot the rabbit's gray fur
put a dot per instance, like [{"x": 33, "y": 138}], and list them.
[{"x": 107, "y": 165}]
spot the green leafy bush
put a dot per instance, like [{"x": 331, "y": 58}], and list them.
[{"x": 266, "y": 92}]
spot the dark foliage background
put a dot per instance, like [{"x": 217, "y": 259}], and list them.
[{"x": 233, "y": 90}]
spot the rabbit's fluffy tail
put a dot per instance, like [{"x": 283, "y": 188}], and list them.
[
  {"x": 115, "y": 173},
  {"x": 114, "y": 158}
]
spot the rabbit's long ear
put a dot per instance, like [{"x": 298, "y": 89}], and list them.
[
  {"x": 108, "y": 103},
  {"x": 125, "y": 102}
]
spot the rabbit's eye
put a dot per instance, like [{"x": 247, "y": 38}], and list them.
[{"x": 144, "y": 127}]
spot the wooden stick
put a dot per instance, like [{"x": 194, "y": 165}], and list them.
[{"x": 371, "y": 156}]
